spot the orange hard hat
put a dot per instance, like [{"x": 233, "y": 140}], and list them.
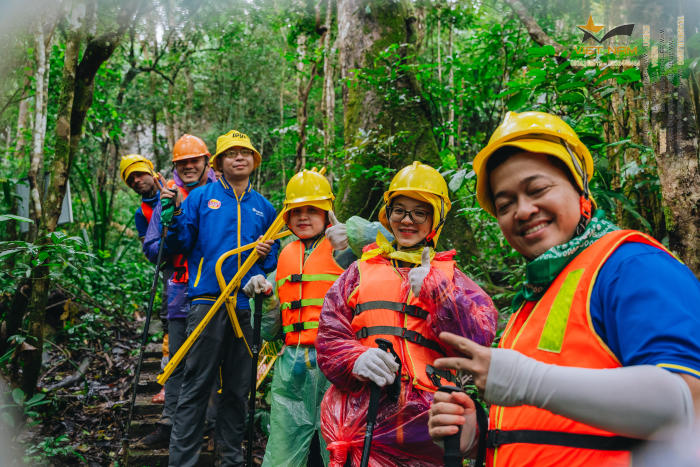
[{"x": 189, "y": 147}]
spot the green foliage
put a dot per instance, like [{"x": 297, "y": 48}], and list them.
[{"x": 52, "y": 448}]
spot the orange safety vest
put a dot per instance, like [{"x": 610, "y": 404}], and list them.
[
  {"x": 558, "y": 330},
  {"x": 379, "y": 311},
  {"x": 301, "y": 286},
  {"x": 180, "y": 273}
]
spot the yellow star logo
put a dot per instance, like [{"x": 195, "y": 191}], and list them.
[{"x": 590, "y": 26}]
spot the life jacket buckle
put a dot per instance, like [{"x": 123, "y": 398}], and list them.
[{"x": 295, "y": 278}]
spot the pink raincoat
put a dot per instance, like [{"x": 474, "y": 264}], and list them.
[{"x": 401, "y": 431}]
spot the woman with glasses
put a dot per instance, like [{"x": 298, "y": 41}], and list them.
[{"x": 406, "y": 293}]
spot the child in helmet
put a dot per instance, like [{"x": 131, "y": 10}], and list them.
[
  {"x": 407, "y": 293},
  {"x": 306, "y": 268}
]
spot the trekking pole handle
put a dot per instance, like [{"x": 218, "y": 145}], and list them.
[{"x": 453, "y": 456}]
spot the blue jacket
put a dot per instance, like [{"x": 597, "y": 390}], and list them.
[
  {"x": 213, "y": 221},
  {"x": 140, "y": 218}
]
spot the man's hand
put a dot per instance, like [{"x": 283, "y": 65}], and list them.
[
  {"x": 165, "y": 193},
  {"x": 476, "y": 358},
  {"x": 264, "y": 248},
  {"x": 337, "y": 233},
  {"x": 257, "y": 284},
  {"x": 416, "y": 276},
  {"x": 447, "y": 413}
]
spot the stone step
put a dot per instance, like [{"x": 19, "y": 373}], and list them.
[
  {"x": 144, "y": 407},
  {"x": 148, "y": 385},
  {"x": 150, "y": 365}
]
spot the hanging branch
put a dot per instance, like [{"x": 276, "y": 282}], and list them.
[{"x": 534, "y": 29}]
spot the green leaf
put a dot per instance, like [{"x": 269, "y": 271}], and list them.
[
  {"x": 544, "y": 51},
  {"x": 457, "y": 179},
  {"x": 571, "y": 98},
  {"x": 18, "y": 396},
  {"x": 518, "y": 100},
  {"x": 7, "y": 217}
]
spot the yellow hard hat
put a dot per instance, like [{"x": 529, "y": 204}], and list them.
[
  {"x": 231, "y": 139},
  {"x": 536, "y": 132},
  {"x": 308, "y": 188},
  {"x": 134, "y": 163},
  {"x": 423, "y": 183}
]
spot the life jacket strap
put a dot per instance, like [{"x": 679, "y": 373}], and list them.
[
  {"x": 411, "y": 336},
  {"x": 410, "y": 310},
  {"x": 496, "y": 438},
  {"x": 296, "y": 304},
  {"x": 300, "y": 326}
]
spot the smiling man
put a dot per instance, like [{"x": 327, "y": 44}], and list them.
[
  {"x": 214, "y": 219},
  {"x": 191, "y": 161},
  {"x": 137, "y": 173},
  {"x": 601, "y": 352}
]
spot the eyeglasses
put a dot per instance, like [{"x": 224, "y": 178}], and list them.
[
  {"x": 237, "y": 152},
  {"x": 417, "y": 216}
]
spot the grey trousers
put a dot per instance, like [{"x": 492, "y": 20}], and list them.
[
  {"x": 178, "y": 334},
  {"x": 215, "y": 346}
]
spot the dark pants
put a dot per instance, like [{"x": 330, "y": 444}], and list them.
[
  {"x": 177, "y": 331},
  {"x": 215, "y": 347}
]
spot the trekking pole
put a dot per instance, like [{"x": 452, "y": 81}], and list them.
[
  {"x": 374, "y": 395},
  {"x": 453, "y": 457},
  {"x": 146, "y": 326},
  {"x": 253, "y": 376}
]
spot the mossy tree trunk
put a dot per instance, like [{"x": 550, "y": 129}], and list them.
[
  {"x": 387, "y": 122},
  {"x": 675, "y": 129}
]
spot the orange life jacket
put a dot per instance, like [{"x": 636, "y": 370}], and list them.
[
  {"x": 558, "y": 330},
  {"x": 301, "y": 286},
  {"x": 147, "y": 211},
  {"x": 180, "y": 273},
  {"x": 381, "y": 312}
]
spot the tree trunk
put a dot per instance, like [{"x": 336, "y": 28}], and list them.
[
  {"x": 36, "y": 164},
  {"x": 451, "y": 78},
  {"x": 303, "y": 91},
  {"x": 676, "y": 148},
  {"x": 389, "y": 130},
  {"x": 387, "y": 124},
  {"x": 328, "y": 98}
]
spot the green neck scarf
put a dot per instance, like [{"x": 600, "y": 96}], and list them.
[{"x": 541, "y": 271}]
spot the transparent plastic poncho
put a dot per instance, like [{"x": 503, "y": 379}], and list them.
[{"x": 401, "y": 435}]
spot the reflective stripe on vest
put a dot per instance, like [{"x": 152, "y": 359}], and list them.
[
  {"x": 301, "y": 286},
  {"x": 379, "y": 310},
  {"x": 558, "y": 330}
]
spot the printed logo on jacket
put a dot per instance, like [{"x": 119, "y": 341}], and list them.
[{"x": 214, "y": 204}]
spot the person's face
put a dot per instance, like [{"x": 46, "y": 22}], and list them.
[
  {"x": 142, "y": 183},
  {"x": 307, "y": 221},
  {"x": 408, "y": 229},
  {"x": 190, "y": 170},
  {"x": 536, "y": 205},
  {"x": 237, "y": 163}
]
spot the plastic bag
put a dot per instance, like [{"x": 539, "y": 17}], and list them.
[
  {"x": 296, "y": 392},
  {"x": 362, "y": 232}
]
